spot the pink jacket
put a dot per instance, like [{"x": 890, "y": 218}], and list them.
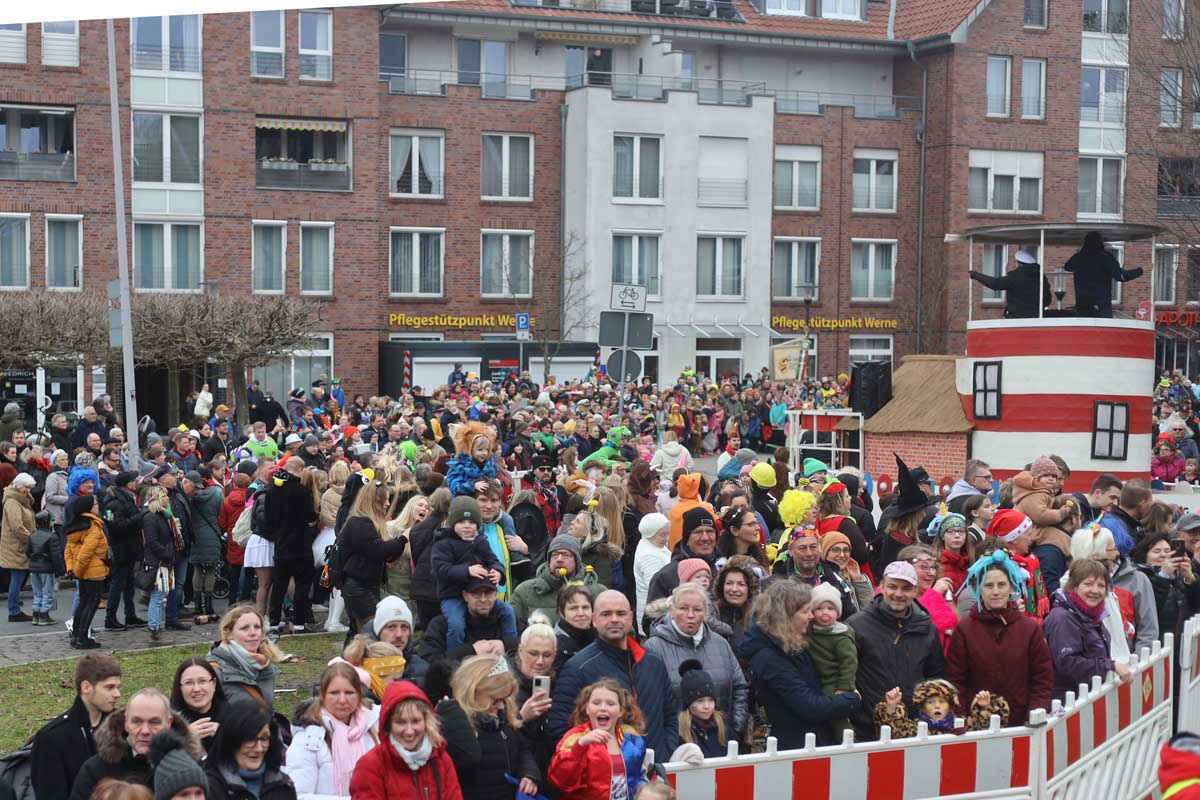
[{"x": 1167, "y": 471}]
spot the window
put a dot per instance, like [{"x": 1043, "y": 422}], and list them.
[
  {"x": 393, "y": 55},
  {"x": 1106, "y": 16},
  {"x": 1172, "y": 22},
  {"x": 588, "y": 65},
  {"x": 60, "y": 43},
  {"x": 636, "y": 170},
  {"x": 797, "y": 177},
  {"x": 1193, "y": 275},
  {"x": 792, "y": 7},
  {"x": 1165, "y": 261},
  {"x": 719, "y": 266},
  {"x": 870, "y": 348},
  {"x": 1110, "y": 430},
  {"x": 304, "y": 154},
  {"x": 507, "y": 264},
  {"x": 316, "y": 45},
  {"x": 266, "y": 44},
  {"x": 316, "y": 258},
  {"x": 1001, "y": 181},
  {"x": 267, "y": 260},
  {"x": 14, "y": 251},
  {"x": 1102, "y": 95},
  {"x": 417, "y": 260},
  {"x": 1033, "y": 88},
  {"x": 64, "y": 252},
  {"x": 796, "y": 274},
  {"x": 999, "y": 78},
  {"x": 167, "y": 257},
  {"x": 167, "y": 44},
  {"x": 635, "y": 260},
  {"x": 304, "y": 367},
  {"x": 507, "y": 167},
  {"x": 485, "y": 64},
  {"x": 722, "y": 168},
  {"x": 37, "y": 144},
  {"x": 986, "y": 389},
  {"x": 1100, "y": 185},
  {"x": 871, "y": 273},
  {"x": 1170, "y": 98},
  {"x": 416, "y": 163},
  {"x": 843, "y": 9},
  {"x": 12, "y": 43},
  {"x": 166, "y": 148},
  {"x": 875, "y": 180},
  {"x": 1035, "y": 13},
  {"x": 995, "y": 262}
]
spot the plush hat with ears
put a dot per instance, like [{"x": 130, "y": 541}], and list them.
[
  {"x": 928, "y": 690},
  {"x": 465, "y": 435}
]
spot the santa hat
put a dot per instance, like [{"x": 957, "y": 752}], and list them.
[{"x": 1009, "y": 525}]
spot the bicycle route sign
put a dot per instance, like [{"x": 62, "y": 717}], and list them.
[{"x": 627, "y": 297}]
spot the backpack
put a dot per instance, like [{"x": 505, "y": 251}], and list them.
[
  {"x": 241, "y": 529},
  {"x": 258, "y": 517},
  {"x": 16, "y": 771},
  {"x": 333, "y": 573}
]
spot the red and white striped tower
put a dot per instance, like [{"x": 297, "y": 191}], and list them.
[{"x": 1055, "y": 377}]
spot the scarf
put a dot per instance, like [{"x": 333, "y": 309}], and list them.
[
  {"x": 350, "y": 743},
  {"x": 944, "y": 725},
  {"x": 252, "y": 663},
  {"x": 1094, "y": 614},
  {"x": 415, "y": 759},
  {"x": 253, "y": 778}
]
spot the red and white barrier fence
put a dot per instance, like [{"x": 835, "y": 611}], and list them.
[{"x": 1101, "y": 743}]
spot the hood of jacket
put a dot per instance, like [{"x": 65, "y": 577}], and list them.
[
  {"x": 113, "y": 747},
  {"x": 671, "y": 449},
  {"x": 1179, "y": 762},
  {"x": 1023, "y": 486},
  {"x": 663, "y": 629},
  {"x": 961, "y": 488},
  {"x": 689, "y": 486},
  {"x": 13, "y": 493}
]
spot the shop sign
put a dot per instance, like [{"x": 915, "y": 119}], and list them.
[
  {"x": 780, "y": 322},
  {"x": 1178, "y": 318},
  {"x": 418, "y": 322}
]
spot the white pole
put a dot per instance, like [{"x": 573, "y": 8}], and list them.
[
  {"x": 131, "y": 415},
  {"x": 1153, "y": 269},
  {"x": 1042, "y": 273},
  {"x": 970, "y": 288}
]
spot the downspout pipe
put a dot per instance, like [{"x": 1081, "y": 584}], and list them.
[
  {"x": 922, "y": 131},
  {"x": 562, "y": 215}
]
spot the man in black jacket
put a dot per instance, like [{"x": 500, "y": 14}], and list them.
[
  {"x": 123, "y": 741},
  {"x": 219, "y": 443},
  {"x": 291, "y": 515},
  {"x": 699, "y": 541},
  {"x": 484, "y": 626},
  {"x": 62, "y": 746},
  {"x": 1021, "y": 286},
  {"x": 123, "y": 520},
  {"x": 169, "y": 478}
]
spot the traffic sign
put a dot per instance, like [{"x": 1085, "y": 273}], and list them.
[
  {"x": 627, "y": 297},
  {"x": 614, "y": 333},
  {"x": 522, "y": 322},
  {"x": 629, "y": 371},
  {"x": 524, "y": 335}
]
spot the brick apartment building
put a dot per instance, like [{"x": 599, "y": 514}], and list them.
[{"x": 428, "y": 171}]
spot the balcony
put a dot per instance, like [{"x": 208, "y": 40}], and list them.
[
  {"x": 693, "y": 9},
  {"x": 312, "y": 176},
  {"x": 1179, "y": 206},
  {"x": 866, "y": 106},
  {"x": 16, "y": 166}
]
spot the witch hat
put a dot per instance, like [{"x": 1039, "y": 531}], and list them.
[{"x": 911, "y": 498}]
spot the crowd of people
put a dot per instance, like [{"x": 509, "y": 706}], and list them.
[{"x": 537, "y": 592}]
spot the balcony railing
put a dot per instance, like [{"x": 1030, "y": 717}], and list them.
[
  {"x": 16, "y": 166},
  {"x": 266, "y": 64},
  {"x": 722, "y": 191},
  {"x": 869, "y": 106},
  {"x": 696, "y": 9},
  {"x": 1179, "y": 206},
  {"x": 1112, "y": 113},
  {"x": 154, "y": 57},
  {"x": 310, "y": 176}
]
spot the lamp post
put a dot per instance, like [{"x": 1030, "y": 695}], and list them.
[{"x": 806, "y": 292}]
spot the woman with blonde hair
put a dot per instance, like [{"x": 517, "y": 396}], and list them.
[
  {"x": 781, "y": 671},
  {"x": 245, "y": 659},
  {"x": 480, "y": 724},
  {"x": 331, "y": 735},
  {"x": 400, "y": 569},
  {"x": 411, "y": 753},
  {"x": 591, "y": 529},
  {"x": 331, "y": 501},
  {"x": 364, "y": 549}
]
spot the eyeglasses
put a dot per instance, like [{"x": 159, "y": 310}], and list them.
[
  {"x": 987, "y": 478},
  {"x": 197, "y": 684},
  {"x": 260, "y": 741},
  {"x": 839, "y": 550}
]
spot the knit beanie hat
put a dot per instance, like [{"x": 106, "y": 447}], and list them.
[
  {"x": 695, "y": 517},
  {"x": 652, "y": 523},
  {"x": 464, "y": 508},
  {"x": 832, "y": 538},
  {"x": 763, "y": 474},
  {"x": 1043, "y": 465},
  {"x": 248, "y": 467},
  {"x": 565, "y": 541},
  {"x": 23, "y": 479},
  {"x": 391, "y": 609},
  {"x": 694, "y": 684},
  {"x": 195, "y": 477},
  {"x": 689, "y": 567},
  {"x": 311, "y": 440},
  {"x": 174, "y": 769},
  {"x": 812, "y": 466},
  {"x": 827, "y": 593},
  {"x": 745, "y": 456}
]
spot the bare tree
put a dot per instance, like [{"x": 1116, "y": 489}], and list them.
[
  {"x": 53, "y": 329},
  {"x": 568, "y": 312}
]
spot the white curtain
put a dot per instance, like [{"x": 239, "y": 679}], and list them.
[
  {"x": 622, "y": 268},
  {"x": 430, "y": 179},
  {"x": 783, "y": 183},
  {"x": 62, "y": 246},
  {"x": 402, "y": 271},
  {"x": 401, "y": 168},
  {"x": 148, "y": 268},
  {"x": 315, "y": 268},
  {"x": 268, "y": 258},
  {"x": 623, "y": 166},
  {"x": 648, "y": 259},
  {"x": 648, "y": 167},
  {"x": 519, "y": 266},
  {"x": 860, "y": 272},
  {"x": 731, "y": 267},
  {"x": 781, "y": 277},
  {"x": 185, "y": 43},
  {"x": 493, "y": 264},
  {"x": 519, "y": 168},
  {"x": 706, "y": 266},
  {"x": 13, "y": 236},
  {"x": 185, "y": 240},
  {"x": 493, "y": 166},
  {"x": 431, "y": 263}
]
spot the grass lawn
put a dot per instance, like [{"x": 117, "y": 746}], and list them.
[{"x": 34, "y": 693}]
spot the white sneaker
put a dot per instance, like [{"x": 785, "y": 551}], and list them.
[
  {"x": 70, "y": 623},
  {"x": 336, "y": 627},
  {"x": 319, "y": 607}
]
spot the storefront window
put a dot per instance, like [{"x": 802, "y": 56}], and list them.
[
  {"x": 719, "y": 358},
  {"x": 300, "y": 370}
]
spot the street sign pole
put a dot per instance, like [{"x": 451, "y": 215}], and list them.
[{"x": 621, "y": 377}]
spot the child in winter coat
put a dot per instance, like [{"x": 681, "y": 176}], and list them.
[
  {"x": 461, "y": 557},
  {"x": 831, "y": 646},
  {"x": 603, "y": 745},
  {"x": 46, "y": 563},
  {"x": 937, "y": 700},
  {"x": 953, "y": 546},
  {"x": 473, "y": 460},
  {"x": 700, "y": 722},
  {"x": 87, "y": 557}
]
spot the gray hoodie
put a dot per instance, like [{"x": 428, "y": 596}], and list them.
[
  {"x": 1145, "y": 611},
  {"x": 666, "y": 459}
]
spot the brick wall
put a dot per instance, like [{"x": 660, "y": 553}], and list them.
[{"x": 941, "y": 454}]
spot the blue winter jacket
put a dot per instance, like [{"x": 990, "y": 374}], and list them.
[
  {"x": 464, "y": 471},
  {"x": 452, "y": 557}
]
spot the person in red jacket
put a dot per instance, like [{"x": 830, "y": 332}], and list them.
[
  {"x": 1179, "y": 768},
  {"x": 604, "y": 749},
  {"x": 231, "y": 509},
  {"x": 410, "y": 762},
  {"x": 956, "y": 553},
  {"x": 998, "y": 648}
]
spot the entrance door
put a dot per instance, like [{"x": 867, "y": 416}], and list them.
[{"x": 719, "y": 358}]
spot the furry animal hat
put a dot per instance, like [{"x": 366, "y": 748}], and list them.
[
  {"x": 465, "y": 435},
  {"x": 927, "y": 690}
]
